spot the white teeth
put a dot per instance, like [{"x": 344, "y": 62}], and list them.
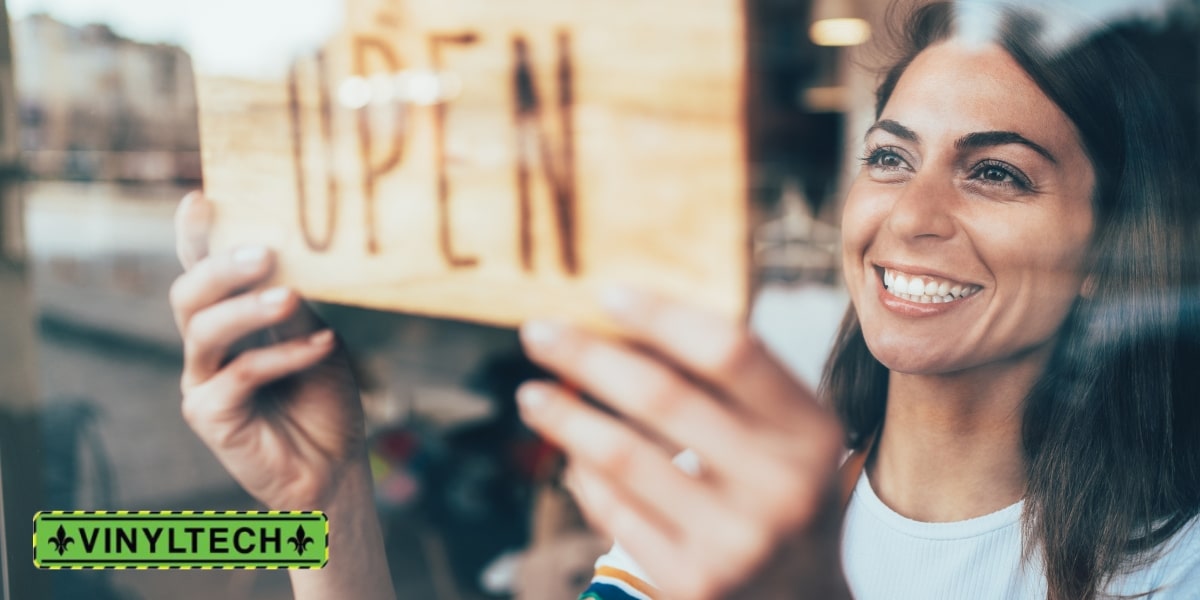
[
  {"x": 916, "y": 286},
  {"x": 924, "y": 290}
]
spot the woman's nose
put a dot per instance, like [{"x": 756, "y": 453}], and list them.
[{"x": 923, "y": 210}]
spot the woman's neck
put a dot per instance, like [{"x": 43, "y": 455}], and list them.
[{"x": 950, "y": 448}]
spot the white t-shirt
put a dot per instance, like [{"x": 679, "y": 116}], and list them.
[
  {"x": 889, "y": 557},
  {"x": 886, "y": 555}
]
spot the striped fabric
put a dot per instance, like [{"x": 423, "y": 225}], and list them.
[{"x": 610, "y": 583}]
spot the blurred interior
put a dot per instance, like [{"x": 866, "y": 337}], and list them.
[{"x": 98, "y": 142}]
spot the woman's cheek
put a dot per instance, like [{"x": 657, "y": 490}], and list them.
[
  {"x": 862, "y": 216},
  {"x": 851, "y": 219}
]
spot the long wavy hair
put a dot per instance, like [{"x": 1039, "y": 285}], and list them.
[{"x": 1111, "y": 430}]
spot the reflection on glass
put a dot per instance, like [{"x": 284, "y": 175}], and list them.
[{"x": 110, "y": 142}]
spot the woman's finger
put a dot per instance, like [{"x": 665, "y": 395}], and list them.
[
  {"x": 216, "y": 278},
  {"x": 642, "y": 388},
  {"x": 714, "y": 349},
  {"x": 214, "y": 330},
  {"x": 671, "y": 408},
  {"x": 608, "y": 512},
  {"x": 697, "y": 563},
  {"x": 641, "y": 469},
  {"x": 193, "y": 219},
  {"x": 742, "y": 462},
  {"x": 225, "y": 398}
]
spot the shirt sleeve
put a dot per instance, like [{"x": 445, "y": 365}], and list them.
[{"x": 618, "y": 577}]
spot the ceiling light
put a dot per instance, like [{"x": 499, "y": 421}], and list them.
[{"x": 837, "y": 23}]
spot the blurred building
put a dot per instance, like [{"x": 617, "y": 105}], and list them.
[{"x": 97, "y": 106}]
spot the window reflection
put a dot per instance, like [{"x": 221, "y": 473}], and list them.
[{"x": 109, "y": 143}]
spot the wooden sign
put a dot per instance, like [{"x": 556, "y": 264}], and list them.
[{"x": 494, "y": 160}]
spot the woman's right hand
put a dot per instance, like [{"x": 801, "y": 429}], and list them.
[{"x": 282, "y": 415}]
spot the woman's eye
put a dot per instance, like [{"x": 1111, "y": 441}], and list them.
[
  {"x": 1001, "y": 175},
  {"x": 995, "y": 174},
  {"x": 884, "y": 159}
]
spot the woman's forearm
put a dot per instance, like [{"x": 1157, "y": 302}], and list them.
[{"x": 357, "y": 566}]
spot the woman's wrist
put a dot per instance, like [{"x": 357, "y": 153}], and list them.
[{"x": 357, "y": 566}]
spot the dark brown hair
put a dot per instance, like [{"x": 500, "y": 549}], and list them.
[{"x": 1112, "y": 428}]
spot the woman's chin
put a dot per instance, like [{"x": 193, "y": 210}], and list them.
[{"x": 912, "y": 358}]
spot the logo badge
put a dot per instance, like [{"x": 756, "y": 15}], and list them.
[{"x": 180, "y": 540}]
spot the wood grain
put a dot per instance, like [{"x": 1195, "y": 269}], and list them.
[{"x": 592, "y": 142}]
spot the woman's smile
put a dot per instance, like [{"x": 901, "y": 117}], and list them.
[
  {"x": 916, "y": 292},
  {"x": 925, "y": 288}
]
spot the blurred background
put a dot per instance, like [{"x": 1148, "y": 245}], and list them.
[{"x": 98, "y": 142}]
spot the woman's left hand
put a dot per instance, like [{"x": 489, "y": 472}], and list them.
[{"x": 761, "y": 519}]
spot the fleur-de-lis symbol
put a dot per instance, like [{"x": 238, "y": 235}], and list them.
[
  {"x": 61, "y": 540},
  {"x": 300, "y": 540}
]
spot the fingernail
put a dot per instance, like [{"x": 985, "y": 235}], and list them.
[
  {"x": 570, "y": 481},
  {"x": 541, "y": 333},
  {"x": 321, "y": 338},
  {"x": 274, "y": 296},
  {"x": 249, "y": 256},
  {"x": 196, "y": 201},
  {"x": 532, "y": 397},
  {"x": 620, "y": 300}
]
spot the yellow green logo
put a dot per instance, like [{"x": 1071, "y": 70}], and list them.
[{"x": 180, "y": 539}]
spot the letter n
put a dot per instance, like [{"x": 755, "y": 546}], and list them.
[{"x": 533, "y": 144}]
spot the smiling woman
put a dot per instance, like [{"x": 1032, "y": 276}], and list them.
[
  {"x": 1054, "y": 185},
  {"x": 1016, "y": 373}
]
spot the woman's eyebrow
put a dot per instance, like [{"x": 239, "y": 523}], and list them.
[
  {"x": 984, "y": 139},
  {"x": 895, "y": 129}
]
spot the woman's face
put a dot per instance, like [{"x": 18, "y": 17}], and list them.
[{"x": 965, "y": 233}]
